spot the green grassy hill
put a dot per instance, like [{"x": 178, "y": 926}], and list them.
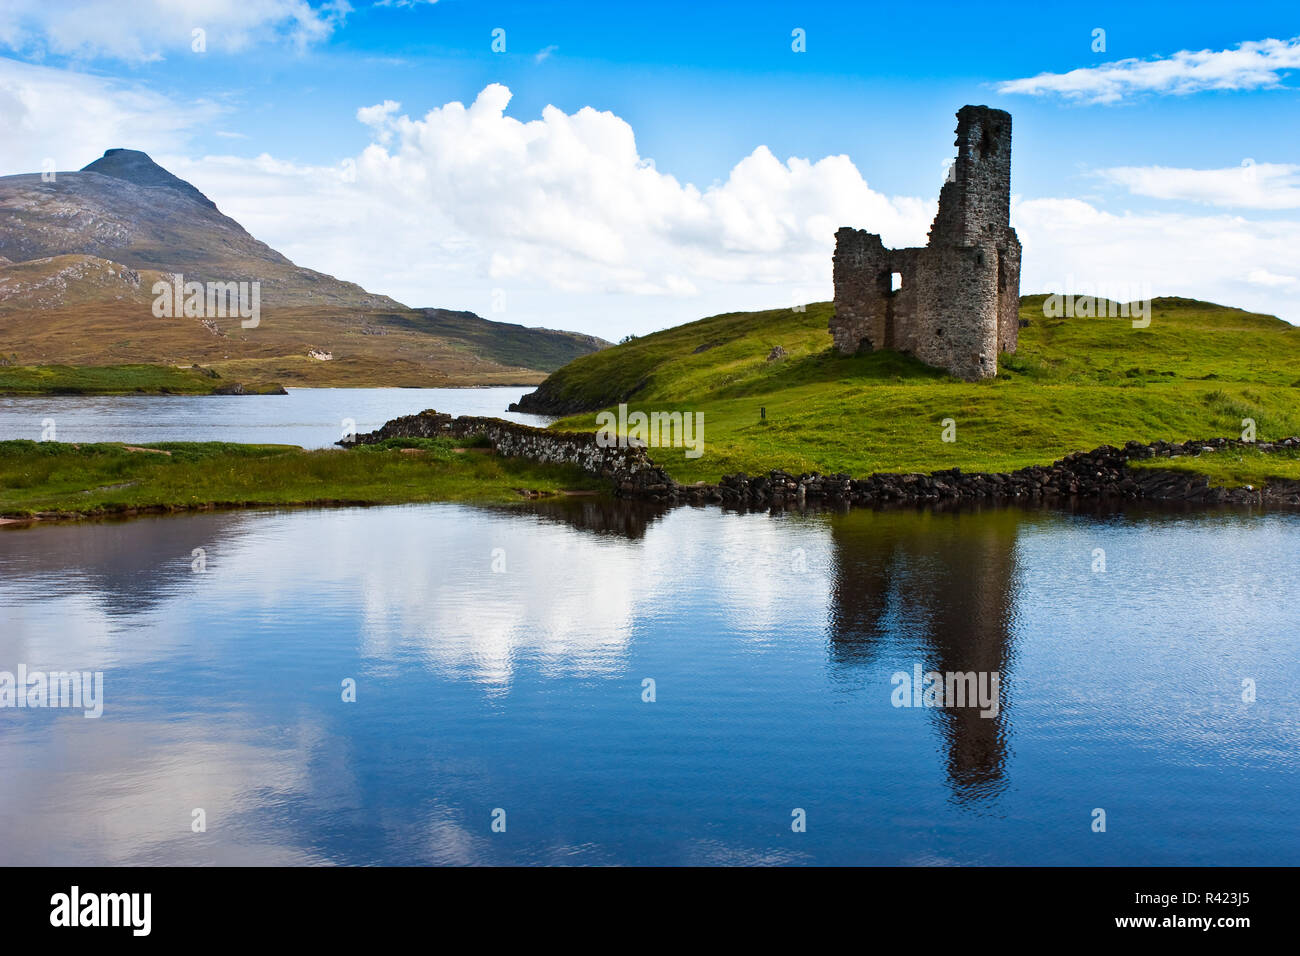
[{"x": 1075, "y": 383}]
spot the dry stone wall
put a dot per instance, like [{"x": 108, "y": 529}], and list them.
[{"x": 621, "y": 465}]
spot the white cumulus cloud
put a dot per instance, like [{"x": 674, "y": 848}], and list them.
[{"x": 568, "y": 199}]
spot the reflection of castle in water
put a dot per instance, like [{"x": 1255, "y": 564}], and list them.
[{"x": 935, "y": 588}]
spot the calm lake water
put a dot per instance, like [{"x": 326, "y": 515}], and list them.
[
  {"x": 310, "y": 417},
  {"x": 500, "y": 658}
]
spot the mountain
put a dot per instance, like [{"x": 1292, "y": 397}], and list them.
[
  {"x": 133, "y": 166},
  {"x": 79, "y": 256}
]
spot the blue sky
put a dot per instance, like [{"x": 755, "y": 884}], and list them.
[{"x": 1135, "y": 165}]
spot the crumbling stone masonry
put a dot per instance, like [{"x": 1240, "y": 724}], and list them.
[{"x": 958, "y": 303}]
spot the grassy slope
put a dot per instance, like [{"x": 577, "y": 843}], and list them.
[
  {"x": 1196, "y": 371},
  {"x": 109, "y": 380},
  {"x": 99, "y": 478}
]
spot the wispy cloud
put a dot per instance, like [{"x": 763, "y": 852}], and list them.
[
  {"x": 70, "y": 118},
  {"x": 544, "y": 53},
  {"x": 1255, "y": 64},
  {"x": 141, "y": 31},
  {"x": 1249, "y": 186},
  {"x": 1271, "y": 279}
]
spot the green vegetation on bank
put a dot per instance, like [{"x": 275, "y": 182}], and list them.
[
  {"x": 1234, "y": 467},
  {"x": 114, "y": 380},
  {"x": 106, "y": 478},
  {"x": 1075, "y": 383}
]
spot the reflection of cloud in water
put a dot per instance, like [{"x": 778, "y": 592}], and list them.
[
  {"x": 32, "y": 633},
  {"x": 418, "y": 582},
  {"x": 564, "y": 602},
  {"x": 567, "y": 604},
  {"x": 776, "y": 595},
  {"x": 742, "y": 567},
  {"x": 113, "y": 793}
]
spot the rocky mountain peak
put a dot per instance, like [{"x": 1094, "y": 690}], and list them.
[{"x": 135, "y": 166}]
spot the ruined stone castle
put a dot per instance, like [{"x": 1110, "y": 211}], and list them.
[{"x": 953, "y": 303}]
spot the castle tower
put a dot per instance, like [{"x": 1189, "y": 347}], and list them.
[
  {"x": 975, "y": 202},
  {"x": 956, "y": 304}
]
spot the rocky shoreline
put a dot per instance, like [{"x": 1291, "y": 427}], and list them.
[{"x": 1098, "y": 475}]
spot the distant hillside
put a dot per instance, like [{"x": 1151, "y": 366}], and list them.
[
  {"x": 79, "y": 257},
  {"x": 1075, "y": 383},
  {"x": 506, "y": 343}
]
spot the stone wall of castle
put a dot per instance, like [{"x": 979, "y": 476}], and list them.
[
  {"x": 1009, "y": 294},
  {"x": 957, "y": 320},
  {"x": 958, "y": 303},
  {"x": 862, "y": 276}
]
